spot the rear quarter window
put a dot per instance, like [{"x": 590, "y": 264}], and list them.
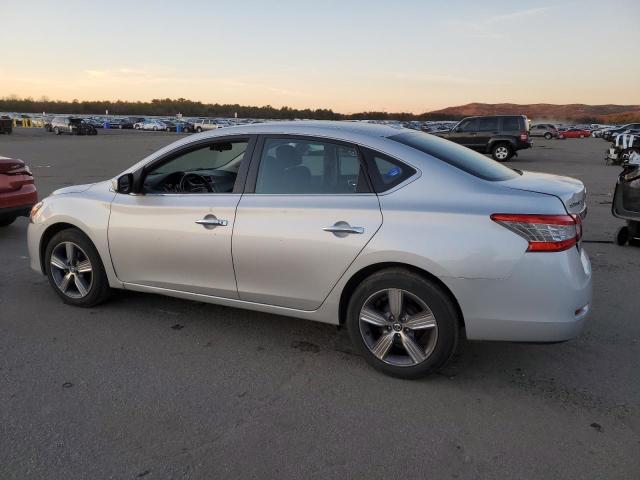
[
  {"x": 511, "y": 124},
  {"x": 456, "y": 155}
]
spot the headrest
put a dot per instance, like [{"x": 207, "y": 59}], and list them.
[{"x": 287, "y": 156}]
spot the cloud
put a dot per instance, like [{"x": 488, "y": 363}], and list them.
[
  {"x": 435, "y": 78},
  {"x": 484, "y": 28},
  {"x": 516, "y": 15}
]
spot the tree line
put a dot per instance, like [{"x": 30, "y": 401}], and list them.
[{"x": 189, "y": 108}]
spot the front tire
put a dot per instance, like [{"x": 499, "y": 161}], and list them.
[
  {"x": 199, "y": 129},
  {"x": 403, "y": 324},
  {"x": 502, "y": 152},
  {"x": 548, "y": 136},
  {"x": 56, "y": 130},
  {"x": 75, "y": 270}
]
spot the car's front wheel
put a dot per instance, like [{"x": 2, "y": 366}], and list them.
[
  {"x": 403, "y": 324},
  {"x": 56, "y": 130},
  {"x": 548, "y": 136},
  {"x": 75, "y": 270},
  {"x": 502, "y": 152}
]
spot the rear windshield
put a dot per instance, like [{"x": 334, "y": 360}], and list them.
[{"x": 460, "y": 157}]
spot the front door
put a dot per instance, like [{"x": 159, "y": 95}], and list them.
[
  {"x": 308, "y": 212},
  {"x": 176, "y": 232}
]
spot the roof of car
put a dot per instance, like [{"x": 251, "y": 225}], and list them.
[{"x": 325, "y": 128}]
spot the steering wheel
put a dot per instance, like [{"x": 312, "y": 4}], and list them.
[{"x": 194, "y": 183}]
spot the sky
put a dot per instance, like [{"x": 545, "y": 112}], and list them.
[{"x": 348, "y": 55}]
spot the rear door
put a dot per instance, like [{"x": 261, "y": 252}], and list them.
[
  {"x": 306, "y": 214},
  {"x": 488, "y": 127}
]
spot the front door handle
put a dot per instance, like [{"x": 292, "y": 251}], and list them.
[
  {"x": 211, "y": 221},
  {"x": 342, "y": 229}
]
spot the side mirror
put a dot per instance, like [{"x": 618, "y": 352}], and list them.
[
  {"x": 125, "y": 183},
  {"x": 458, "y": 129}
]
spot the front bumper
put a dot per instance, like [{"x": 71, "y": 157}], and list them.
[{"x": 546, "y": 299}]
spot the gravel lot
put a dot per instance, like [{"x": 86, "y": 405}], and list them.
[{"x": 155, "y": 387}]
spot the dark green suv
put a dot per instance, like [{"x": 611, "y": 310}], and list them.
[{"x": 500, "y": 135}]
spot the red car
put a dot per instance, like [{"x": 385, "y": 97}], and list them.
[
  {"x": 575, "y": 133},
  {"x": 17, "y": 190}
]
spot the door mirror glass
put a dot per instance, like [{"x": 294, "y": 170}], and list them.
[{"x": 125, "y": 183}]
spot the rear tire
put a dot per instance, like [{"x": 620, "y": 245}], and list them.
[
  {"x": 502, "y": 152},
  {"x": 199, "y": 129},
  {"x": 56, "y": 130},
  {"x": 428, "y": 347},
  {"x": 85, "y": 288},
  {"x": 548, "y": 136},
  {"x": 622, "y": 237}
]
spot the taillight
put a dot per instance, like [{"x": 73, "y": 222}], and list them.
[
  {"x": 524, "y": 136},
  {"x": 545, "y": 233}
]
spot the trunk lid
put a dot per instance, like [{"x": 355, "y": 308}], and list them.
[
  {"x": 12, "y": 166},
  {"x": 571, "y": 191}
]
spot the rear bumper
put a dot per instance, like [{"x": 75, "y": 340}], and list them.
[
  {"x": 19, "y": 202},
  {"x": 546, "y": 299}
]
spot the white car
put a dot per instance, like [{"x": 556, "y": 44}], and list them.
[
  {"x": 155, "y": 125},
  {"x": 404, "y": 237}
]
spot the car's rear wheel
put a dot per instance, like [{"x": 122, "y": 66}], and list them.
[
  {"x": 6, "y": 221},
  {"x": 625, "y": 155},
  {"x": 548, "y": 136},
  {"x": 199, "y": 129},
  {"x": 502, "y": 152},
  {"x": 56, "y": 130},
  {"x": 403, "y": 324},
  {"x": 75, "y": 270}
]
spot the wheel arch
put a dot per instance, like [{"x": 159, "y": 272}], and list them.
[
  {"x": 48, "y": 234},
  {"x": 365, "y": 272}
]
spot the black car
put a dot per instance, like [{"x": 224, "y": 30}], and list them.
[
  {"x": 610, "y": 135},
  {"x": 120, "y": 123},
  {"x": 500, "y": 135},
  {"x": 72, "y": 125}
]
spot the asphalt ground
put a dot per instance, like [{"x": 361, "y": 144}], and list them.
[{"x": 151, "y": 387}]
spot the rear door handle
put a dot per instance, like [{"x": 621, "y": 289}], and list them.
[
  {"x": 210, "y": 221},
  {"x": 341, "y": 229}
]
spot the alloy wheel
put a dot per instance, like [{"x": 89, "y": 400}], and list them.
[
  {"x": 502, "y": 153},
  {"x": 398, "y": 327},
  {"x": 71, "y": 270}
]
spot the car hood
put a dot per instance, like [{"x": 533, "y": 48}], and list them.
[
  {"x": 571, "y": 191},
  {"x": 73, "y": 189}
]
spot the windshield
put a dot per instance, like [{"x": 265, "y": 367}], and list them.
[{"x": 456, "y": 155}]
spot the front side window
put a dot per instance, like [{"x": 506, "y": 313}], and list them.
[
  {"x": 469, "y": 125},
  {"x": 207, "y": 169},
  {"x": 301, "y": 166}
]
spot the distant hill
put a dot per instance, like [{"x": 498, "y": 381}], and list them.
[{"x": 546, "y": 111}]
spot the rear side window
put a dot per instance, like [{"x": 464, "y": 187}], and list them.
[
  {"x": 511, "y": 124},
  {"x": 303, "y": 166},
  {"x": 386, "y": 172},
  {"x": 488, "y": 124},
  {"x": 456, "y": 155}
]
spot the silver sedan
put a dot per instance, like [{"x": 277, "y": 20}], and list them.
[{"x": 407, "y": 239}]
